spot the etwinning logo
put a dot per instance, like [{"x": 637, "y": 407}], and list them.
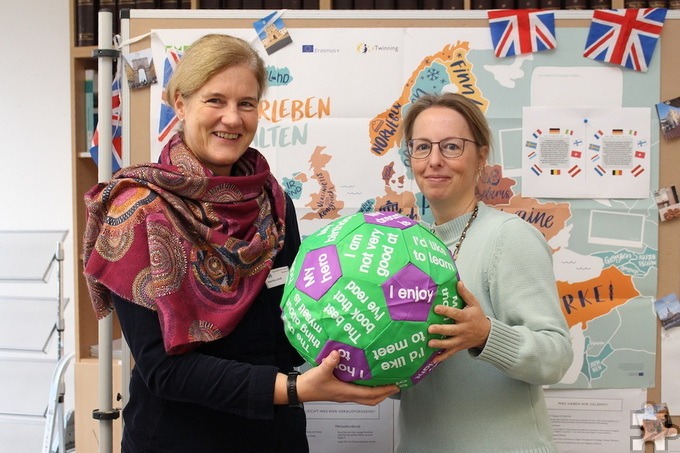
[{"x": 364, "y": 47}]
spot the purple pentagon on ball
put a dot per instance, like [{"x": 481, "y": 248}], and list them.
[
  {"x": 425, "y": 369},
  {"x": 390, "y": 219},
  {"x": 353, "y": 364},
  {"x": 320, "y": 270},
  {"x": 409, "y": 294}
]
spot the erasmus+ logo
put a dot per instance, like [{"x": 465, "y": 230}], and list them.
[{"x": 309, "y": 48}]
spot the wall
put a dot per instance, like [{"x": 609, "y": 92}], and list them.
[{"x": 35, "y": 187}]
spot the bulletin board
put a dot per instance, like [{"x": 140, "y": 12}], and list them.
[{"x": 331, "y": 151}]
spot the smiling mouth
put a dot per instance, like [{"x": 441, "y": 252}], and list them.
[{"x": 226, "y": 135}]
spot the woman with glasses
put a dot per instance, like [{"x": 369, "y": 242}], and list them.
[{"x": 511, "y": 338}]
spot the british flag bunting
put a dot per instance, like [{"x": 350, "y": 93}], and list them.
[
  {"x": 116, "y": 129},
  {"x": 520, "y": 31},
  {"x": 625, "y": 37}
]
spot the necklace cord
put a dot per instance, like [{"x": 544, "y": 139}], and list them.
[{"x": 456, "y": 247}]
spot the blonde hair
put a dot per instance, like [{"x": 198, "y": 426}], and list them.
[
  {"x": 479, "y": 126},
  {"x": 208, "y": 56}
]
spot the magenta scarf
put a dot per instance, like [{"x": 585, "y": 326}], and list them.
[{"x": 194, "y": 247}]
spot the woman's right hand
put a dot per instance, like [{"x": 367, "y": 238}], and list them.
[{"x": 320, "y": 384}]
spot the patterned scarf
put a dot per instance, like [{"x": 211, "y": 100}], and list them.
[{"x": 194, "y": 247}]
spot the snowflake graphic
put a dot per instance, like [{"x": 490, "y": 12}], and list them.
[{"x": 432, "y": 74}]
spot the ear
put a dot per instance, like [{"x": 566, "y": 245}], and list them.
[
  {"x": 179, "y": 105},
  {"x": 483, "y": 156}
]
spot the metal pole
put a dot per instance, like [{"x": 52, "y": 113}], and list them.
[{"x": 105, "y": 413}]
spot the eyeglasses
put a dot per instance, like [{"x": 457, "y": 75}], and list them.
[{"x": 451, "y": 147}]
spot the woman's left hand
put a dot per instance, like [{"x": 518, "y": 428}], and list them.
[{"x": 470, "y": 328}]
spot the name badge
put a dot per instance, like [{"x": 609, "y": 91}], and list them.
[{"x": 277, "y": 277}]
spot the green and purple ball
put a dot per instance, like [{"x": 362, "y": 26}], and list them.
[{"x": 366, "y": 285}]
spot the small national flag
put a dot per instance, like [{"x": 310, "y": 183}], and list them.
[
  {"x": 532, "y": 145},
  {"x": 536, "y": 169},
  {"x": 632, "y": 132},
  {"x": 598, "y": 134},
  {"x": 554, "y": 130},
  {"x": 116, "y": 130},
  {"x": 625, "y": 37},
  {"x": 575, "y": 170},
  {"x": 595, "y": 157},
  {"x": 594, "y": 147},
  {"x": 555, "y": 171},
  {"x": 168, "y": 119},
  {"x": 617, "y": 172},
  {"x": 520, "y": 31},
  {"x": 617, "y": 131},
  {"x": 599, "y": 170},
  {"x": 537, "y": 133},
  {"x": 576, "y": 154},
  {"x": 637, "y": 171},
  {"x": 640, "y": 154},
  {"x": 569, "y": 132}
]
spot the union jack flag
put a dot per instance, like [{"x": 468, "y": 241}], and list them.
[
  {"x": 519, "y": 31},
  {"x": 626, "y": 37},
  {"x": 167, "y": 119},
  {"x": 116, "y": 128}
]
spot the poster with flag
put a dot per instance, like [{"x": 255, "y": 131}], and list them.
[
  {"x": 116, "y": 130},
  {"x": 167, "y": 118},
  {"x": 521, "y": 31},
  {"x": 626, "y": 37}
]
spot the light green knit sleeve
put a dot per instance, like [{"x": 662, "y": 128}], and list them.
[{"x": 529, "y": 338}]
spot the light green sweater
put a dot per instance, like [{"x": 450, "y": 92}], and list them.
[{"x": 491, "y": 400}]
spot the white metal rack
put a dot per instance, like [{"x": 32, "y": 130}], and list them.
[{"x": 29, "y": 257}]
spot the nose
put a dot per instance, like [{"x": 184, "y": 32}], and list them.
[
  {"x": 230, "y": 115},
  {"x": 435, "y": 158}
]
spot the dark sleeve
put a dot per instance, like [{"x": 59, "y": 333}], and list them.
[
  {"x": 290, "y": 250},
  {"x": 226, "y": 385}
]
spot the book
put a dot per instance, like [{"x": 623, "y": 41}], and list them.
[
  {"x": 530, "y": 4},
  {"x": 434, "y": 4},
  {"x": 145, "y": 4},
  {"x": 271, "y": 4},
  {"x": 167, "y": 4},
  {"x": 634, "y": 4},
  {"x": 232, "y": 4},
  {"x": 656, "y": 4},
  {"x": 575, "y": 4},
  {"x": 342, "y": 4},
  {"x": 364, "y": 4},
  {"x": 291, "y": 4},
  {"x": 210, "y": 4},
  {"x": 253, "y": 4},
  {"x": 385, "y": 4},
  {"x": 453, "y": 4},
  {"x": 185, "y": 4},
  {"x": 310, "y": 4},
  {"x": 504, "y": 4},
  {"x": 407, "y": 4},
  {"x": 600, "y": 4},
  {"x": 481, "y": 4},
  {"x": 86, "y": 23},
  {"x": 90, "y": 106},
  {"x": 550, "y": 4}
]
